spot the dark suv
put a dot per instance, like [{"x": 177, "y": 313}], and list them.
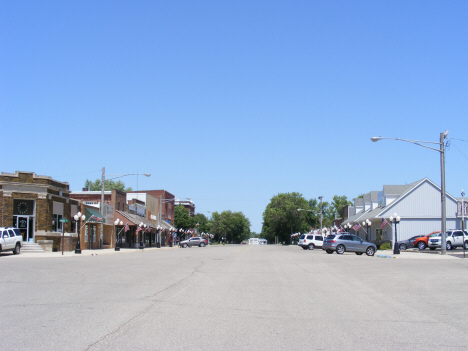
[{"x": 348, "y": 242}]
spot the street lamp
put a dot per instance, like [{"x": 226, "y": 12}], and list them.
[
  {"x": 367, "y": 223},
  {"x": 114, "y": 176},
  {"x": 78, "y": 218},
  {"x": 441, "y": 143},
  {"x": 463, "y": 222},
  {"x": 117, "y": 241},
  {"x": 395, "y": 219}
]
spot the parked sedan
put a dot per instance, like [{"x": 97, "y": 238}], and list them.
[
  {"x": 404, "y": 244},
  {"x": 348, "y": 242},
  {"x": 196, "y": 241}
]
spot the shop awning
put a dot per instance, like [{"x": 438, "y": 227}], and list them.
[{"x": 93, "y": 216}]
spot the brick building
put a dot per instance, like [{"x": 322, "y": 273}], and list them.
[
  {"x": 166, "y": 204},
  {"x": 37, "y": 205},
  {"x": 99, "y": 234}
]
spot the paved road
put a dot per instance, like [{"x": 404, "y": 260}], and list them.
[{"x": 233, "y": 297}]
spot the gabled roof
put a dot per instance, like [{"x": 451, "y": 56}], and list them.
[
  {"x": 400, "y": 189},
  {"x": 354, "y": 218},
  {"x": 409, "y": 189}
]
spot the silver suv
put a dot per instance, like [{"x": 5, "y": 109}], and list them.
[
  {"x": 10, "y": 240},
  {"x": 348, "y": 242},
  {"x": 454, "y": 239},
  {"x": 197, "y": 241},
  {"x": 310, "y": 241}
]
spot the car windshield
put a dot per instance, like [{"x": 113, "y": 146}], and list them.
[{"x": 302, "y": 236}]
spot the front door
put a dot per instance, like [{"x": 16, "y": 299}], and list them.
[{"x": 26, "y": 226}]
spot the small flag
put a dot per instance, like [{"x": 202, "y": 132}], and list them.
[
  {"x": 198, "y": 223},
  {"x": 127, "y": 228},
  {"x": 357, "y": 226},
  {"x": 138, "y": 229},
  {"x": 384, "y": 223}
]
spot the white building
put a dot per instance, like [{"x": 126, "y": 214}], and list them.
[{"x": 418, "y": 204}]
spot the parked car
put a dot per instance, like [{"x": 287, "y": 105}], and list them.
[
  {"x": 422, "y": 242},
  {"x": 196, "y": 241},
  {"x": 404, "y": 244},
  {"x": 10, "y": 240},
  {"x": 348, "y": 242},
  {"x": 453, "y": 239},
  {"x": 310, "y": 241}
]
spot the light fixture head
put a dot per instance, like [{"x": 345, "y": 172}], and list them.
[
  {"x": 147, "y": 174},
  {"x": 375, "y": 139},
  {"x": 121, "y": 223},
  {"x": 79, "y": 213},
  {"x": 398, "y": 218},
  {"x": 83, "y": 217},
  {"x": 76, "y": 217}
]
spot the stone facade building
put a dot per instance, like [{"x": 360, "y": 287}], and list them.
[{"x": 39, "y": 206}]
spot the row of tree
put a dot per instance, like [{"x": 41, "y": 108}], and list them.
[
  {"x": 108, "y": 185},
  {"x": 289, "y": 213},
  {"x": 225, "y": 226}
]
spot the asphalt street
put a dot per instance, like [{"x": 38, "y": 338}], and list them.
[{"x": 233, "y": 297}]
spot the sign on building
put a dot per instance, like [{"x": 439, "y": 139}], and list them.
[{"x": 459, "y": 209}]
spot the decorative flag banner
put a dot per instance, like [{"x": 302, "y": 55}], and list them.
[
  {"x": 138, "y": 229},
  {"x": 384, "y": 223},
  {"x": 198, "y": 223},
  {"x": 127, "y": 228},
  {"x": 357, "y": 226}
]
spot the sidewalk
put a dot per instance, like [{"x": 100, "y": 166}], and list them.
[
  {"x": 97, "y": 252},
  {"x": 416, "y": 254}
]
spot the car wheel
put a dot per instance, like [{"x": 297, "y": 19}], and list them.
[
  {"x": 449, "y": 245},
  {"x": 466, "y": 245},
  {"x": 340, "y": 249},
  {"x": 184, "y": 245},
  {"x": 359, "y": 253},
  {"x": 370, "y": 251},
  {"x": 329, "y": 251},
  {"x": 403, "y": 247},
  {"x": 16, "y": 251},
  {"x": 421, "y": 245},
  {"x": 311, "y": 246},
  {"x": 432, "y": 248},
  {"x": 202, "y": 244}
]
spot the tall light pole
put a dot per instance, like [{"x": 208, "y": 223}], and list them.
[
  {"x": 114, "y": 176},
  {"x": 441, "y": 150},
  {"x": 321, "y": 214}
]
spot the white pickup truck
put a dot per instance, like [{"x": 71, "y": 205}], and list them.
[{"x": 10, "y": 240}]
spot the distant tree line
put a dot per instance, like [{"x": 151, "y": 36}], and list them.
[{"x": 289, "y": 213}]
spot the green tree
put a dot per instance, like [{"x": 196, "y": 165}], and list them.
[
  {"x": 339, "y": 202},
  {"x": 182, "y": 218},
  {"x": 233, "y": 226},
  {"x": 204, "y": 224},
  {"x": 108, "y": 185},
  {"x": 281, "y": 217}
]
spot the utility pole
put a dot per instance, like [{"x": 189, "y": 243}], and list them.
[{"x": 321, "y": 215}]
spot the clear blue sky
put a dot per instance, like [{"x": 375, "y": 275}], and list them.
[{"x": 231, "y": 102}]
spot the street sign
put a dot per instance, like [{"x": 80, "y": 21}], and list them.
[{"x": 63, "y": 220}]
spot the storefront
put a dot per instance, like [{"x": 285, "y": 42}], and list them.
[{"x": 35, "y": 204}]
